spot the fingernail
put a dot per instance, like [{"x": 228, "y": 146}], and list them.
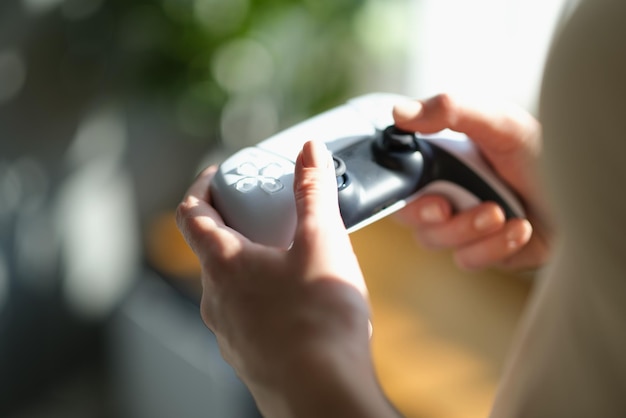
[
  {"x": 432, "y": 213},
  {"x": 518, "y": 235},
  {"x": 409, "y": 109},
  {"x": 315, "y": 154},
  {"x": 488, "y": 219}
]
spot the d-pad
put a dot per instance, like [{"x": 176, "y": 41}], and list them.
[{"x": 266, "y": 177}]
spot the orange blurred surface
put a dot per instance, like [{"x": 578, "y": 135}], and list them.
[{"x": 440, "y": 334}]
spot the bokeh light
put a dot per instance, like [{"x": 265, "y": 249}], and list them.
[
  {"x": 246, "y": 120},
  {"x": 95, "y": 217},
  {"x": 221, "y": 17},
  {"x": 243, "y": 65},
  {"x": 40, "y": 6}
]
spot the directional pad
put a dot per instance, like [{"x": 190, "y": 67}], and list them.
[
  {"x": 266, "y": 177},
  {"x": 248, "y": 170},
  {"x": 246, "y": 184}
]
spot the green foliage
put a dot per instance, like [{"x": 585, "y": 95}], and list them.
[{"x": 200, "y": 53}]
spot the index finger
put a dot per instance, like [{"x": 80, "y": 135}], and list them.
[
  {"x": 199, "y": 189},
  {"x": 507, "y": 136},
  {"x": 201, "y": 225},
  {"x": 487, "y": 125}
]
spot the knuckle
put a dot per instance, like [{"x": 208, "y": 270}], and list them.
[
  {"x": 182, "y": 219},
  {"x": 182, "y": 211},
  {"x": 444, "y": 101},
  {"x": 448, "y": 108},
  {"x": 430, "y": 240}
]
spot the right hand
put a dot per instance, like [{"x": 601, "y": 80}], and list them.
[{"x": 510, "y": 140}]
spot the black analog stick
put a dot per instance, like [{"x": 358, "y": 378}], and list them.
[{"x": 397, "y": 140}]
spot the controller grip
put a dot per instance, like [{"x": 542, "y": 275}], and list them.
[
  {"x": 466, "y": 187},
  {"x": 253, "y": 193}
]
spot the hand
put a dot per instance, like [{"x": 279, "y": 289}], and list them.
[
  {"x": 293, "y": 324},
  {"x": 510, "y": 140}
]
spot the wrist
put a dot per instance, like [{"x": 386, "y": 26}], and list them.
[{"x": 325, "y": 381}]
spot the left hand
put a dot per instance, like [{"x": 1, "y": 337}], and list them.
[{"x": 293, "y": 323}]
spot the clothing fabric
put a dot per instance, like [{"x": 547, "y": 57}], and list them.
[{"x": 569, "y": 359}]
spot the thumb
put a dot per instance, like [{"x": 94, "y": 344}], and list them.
[
  {"x": 321, "y": 243},
  {"x": 315, "y": 190},
  {"x": 321, "y": 246}
]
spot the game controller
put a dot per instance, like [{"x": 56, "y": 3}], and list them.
[{"x": 379, "y": 169}]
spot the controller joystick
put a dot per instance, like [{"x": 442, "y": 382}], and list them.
[
  {"x": 398, "y": 150},
  {"x": 379, "y": 169},
  {"x": 396, "y": 140}
]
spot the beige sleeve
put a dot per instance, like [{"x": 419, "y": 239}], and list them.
[{"x": 570, "y": 356}]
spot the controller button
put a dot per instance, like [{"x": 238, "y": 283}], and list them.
[
  {"x": 271, "y": 185},
  {"x": 341, "y": 182},
  {"x": 397, "y": 140},
  {"x": 340, "y": 172},
  {"x": 272, "y": 170},
  {"x": 267, "y": 177},
  {"x": 248, "y": 169},
  {"x": 246, "y": 184},
  {"x": 340, "y": 166}
]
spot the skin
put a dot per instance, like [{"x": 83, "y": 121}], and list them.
[
  {"x": 294, "y": 324},
  {"x": 510, "y": 140}
]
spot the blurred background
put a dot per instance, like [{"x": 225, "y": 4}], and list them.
[{"x": 109, "y": 108}]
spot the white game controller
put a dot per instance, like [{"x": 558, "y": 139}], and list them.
[{"x": 379, "y": 170}]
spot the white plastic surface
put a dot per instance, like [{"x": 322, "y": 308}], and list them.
[{"x": 267, "y": 214}]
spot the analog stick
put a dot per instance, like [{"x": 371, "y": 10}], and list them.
[{"x": 397, "y": 140}]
